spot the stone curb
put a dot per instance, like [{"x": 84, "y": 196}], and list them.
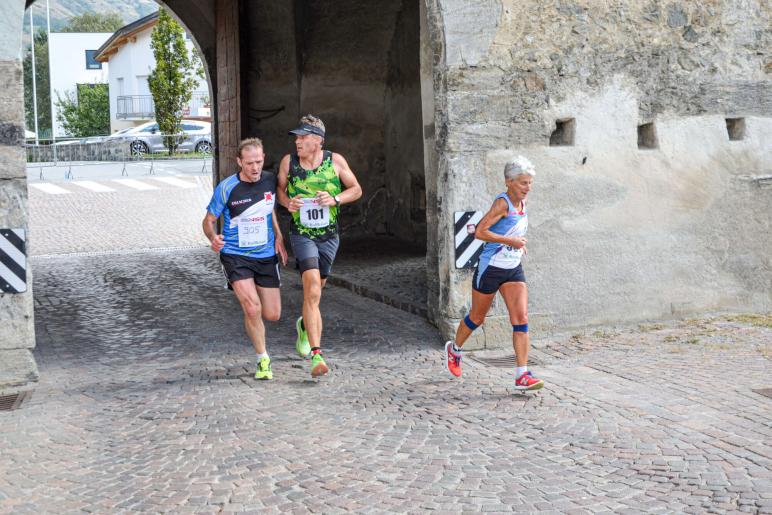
[{"x": 369, "y": 293}]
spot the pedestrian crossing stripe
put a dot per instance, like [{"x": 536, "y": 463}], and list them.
[
  {"x": 13, "y": 261},
  {"x": 175, "y": 182},
  {"x": 47, "y": 187},
  {"x": 468, "y": 249},
  {"x": 179, "y": 181},
  {"x": 134, "y": 184},
  {"x": 93, "y": 186}
]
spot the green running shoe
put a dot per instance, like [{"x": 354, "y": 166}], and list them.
[
  {"x": 264, "y": 369},
  {"x": 302, "y": 346},
  {"x": 318, "y": 366}
]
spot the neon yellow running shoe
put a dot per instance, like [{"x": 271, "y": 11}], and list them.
[
  {"x": 264, "y": 369},
  {"x": 302, "y": 346},
  {"x": 318, "y": 366}
]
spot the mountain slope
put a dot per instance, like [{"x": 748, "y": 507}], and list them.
[{"x": 63, "y": 10}]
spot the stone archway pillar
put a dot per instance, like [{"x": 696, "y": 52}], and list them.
[
  {"x": 228, "y": 84},
  {"x": 18, "y": 370}
]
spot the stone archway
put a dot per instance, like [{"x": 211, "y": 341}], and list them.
[{"x": 407, "y": 45}]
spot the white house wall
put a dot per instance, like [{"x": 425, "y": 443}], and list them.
[
  {"x": 67, "y": 64},
  {"x": 133, "y": 62}
]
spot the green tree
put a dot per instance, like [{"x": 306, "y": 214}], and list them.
[
  {"x": 172, "y": 80},
  {"x": 94, "y": 22},
  {"x": 88, "y": 114}
]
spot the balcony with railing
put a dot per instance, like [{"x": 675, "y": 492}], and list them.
[
  {"x": 141, "y": 107},
  {"x": 135, "y": 107}
]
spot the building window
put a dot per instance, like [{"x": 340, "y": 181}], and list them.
[
  {"x": 647, "y": 136},
  {"x": 736, "y": 128},
  {"x": 563, "y": 135},
  {"x": 91, "y": 63}
]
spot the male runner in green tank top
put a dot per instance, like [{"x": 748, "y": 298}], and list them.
[{"x": 312, "y": 184}]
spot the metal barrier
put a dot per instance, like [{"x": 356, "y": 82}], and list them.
[{"x": 117, "y": 148}]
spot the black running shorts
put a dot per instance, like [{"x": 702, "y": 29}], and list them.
[
  {"x": 493, "y": 277},
  {"x": 264, "y": 271}
]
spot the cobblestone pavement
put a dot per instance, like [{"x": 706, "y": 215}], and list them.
[
  {"x": 146, "y": 404},
  {"x": 383, "y": 269}
]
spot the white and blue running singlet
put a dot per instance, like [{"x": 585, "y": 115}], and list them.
[
  {"x": 247, "y": 209},
  {"x": 515, "y": 224}
]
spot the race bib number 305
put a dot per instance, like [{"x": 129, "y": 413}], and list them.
[
  {"x": 314, "y": 215},
  {"x": 253, "y": 231}
]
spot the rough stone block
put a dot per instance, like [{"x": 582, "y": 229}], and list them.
[
  {"x": 11, "y": 101},
  {"x": 17, "y": 329},
  {"x": 13, "y": 202},
  {"x": 12, "y": 165},
  {"x": 17, "y": 368},
  {"x": 470, "y": 29}
]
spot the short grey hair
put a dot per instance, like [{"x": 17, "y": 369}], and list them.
[
  {"x": 519, "y": 166},
  {"x": 313, "y": 121}
]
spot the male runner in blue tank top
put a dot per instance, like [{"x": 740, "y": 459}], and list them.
[
  {"x": 249, "y": 244},
  {"x": 503, "y": 229},
  {"x": 312, "y": 184}
]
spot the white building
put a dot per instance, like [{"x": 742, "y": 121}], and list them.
[
  {"x": 71, "y": 63},
  {"x": 131, "y": 61}
]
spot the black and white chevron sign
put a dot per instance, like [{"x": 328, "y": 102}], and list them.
[
  {"x": 467, "y": 248},
  {"x": 13, "y": 261}
]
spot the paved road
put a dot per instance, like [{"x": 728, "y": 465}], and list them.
[
  {"x": 146, "y": 404},
  {"x": 118, "y": 214}
]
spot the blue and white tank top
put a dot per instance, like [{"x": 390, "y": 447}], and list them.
[{"x": 514, "y": 224}]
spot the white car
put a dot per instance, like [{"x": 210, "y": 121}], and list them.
[{"x": 196, "y": 137}]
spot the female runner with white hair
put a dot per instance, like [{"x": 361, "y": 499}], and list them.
[{"x": 499, "y": 270}]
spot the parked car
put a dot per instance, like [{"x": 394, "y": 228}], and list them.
[{"x": 196, "y": 136}]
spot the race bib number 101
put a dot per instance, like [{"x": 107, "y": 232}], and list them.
[{"x": 314, "y": 215}]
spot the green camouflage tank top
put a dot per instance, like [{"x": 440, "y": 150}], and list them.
[{"x": 306, "y": 183}]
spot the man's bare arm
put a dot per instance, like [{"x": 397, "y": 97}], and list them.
[
  {"x": 352, "y": 190},
  {"x": 292, "y": 204},
  {"x": 209, "y": 224}
]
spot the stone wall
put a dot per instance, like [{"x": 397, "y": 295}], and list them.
[
  {"x": 619, "y": 232},
  {"x": 18, "y": 370}
]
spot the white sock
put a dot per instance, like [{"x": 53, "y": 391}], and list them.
[
  {"x": 456, "y": 350},
  {"x": 261, "y": 356},
  {"x": 521, "y": 371}
]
